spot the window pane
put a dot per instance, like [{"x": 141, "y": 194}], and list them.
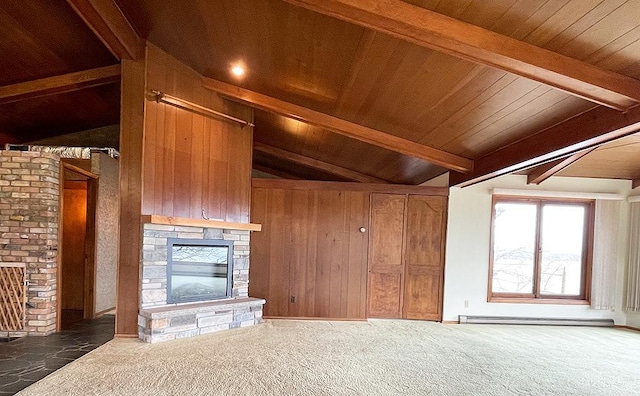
[
  {"x": 562, "y": 247},
  {"x": 514, "y": 237}
]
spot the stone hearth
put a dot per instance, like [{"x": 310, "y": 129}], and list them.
[{"x": 160, "y": 321}]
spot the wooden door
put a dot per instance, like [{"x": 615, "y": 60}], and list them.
[
  {"x": 386, "y": 270},
  {"x": 310, "y": 260},
  {"x": 77, "y": 243},
  {"x": 328, "y": 269},
  {"x": 74, "y": 227},
  {"x": 424, "y": 257}
]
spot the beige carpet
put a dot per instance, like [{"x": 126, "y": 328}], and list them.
[{"x": 381, "y": 357}]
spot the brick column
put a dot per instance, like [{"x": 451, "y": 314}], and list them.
[{"x": 29, "y": 205}]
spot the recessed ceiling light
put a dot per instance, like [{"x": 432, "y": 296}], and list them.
[{"x": 237, "y": 70}]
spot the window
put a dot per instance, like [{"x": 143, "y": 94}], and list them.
[{"x": 541, "y": 249}]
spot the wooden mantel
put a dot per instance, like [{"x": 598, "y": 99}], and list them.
[{"x": 182, "y": 221}]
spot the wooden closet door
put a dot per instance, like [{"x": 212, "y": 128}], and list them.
[
  {"x": 424, "y": 257},
  {"x": 310, "y": 260},
  {"x": 386, "y": 270},
  {"x": 328, "y": 268}
]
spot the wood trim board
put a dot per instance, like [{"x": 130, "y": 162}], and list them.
[
  {"x": 181, "y": 221},
  {"x": 347, "y": 186}
]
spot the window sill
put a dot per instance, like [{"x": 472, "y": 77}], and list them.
[{"x": 557, "y": 301}]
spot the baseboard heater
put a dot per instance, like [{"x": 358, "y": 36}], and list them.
[{"x": 464, "y": 319}]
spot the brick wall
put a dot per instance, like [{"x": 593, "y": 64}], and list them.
[{"x": 29, "y": 204}]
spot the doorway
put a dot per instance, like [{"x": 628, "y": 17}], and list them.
[{"x": 76, "y": 269}]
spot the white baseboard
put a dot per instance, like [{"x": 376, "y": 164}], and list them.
[{"x": 478, "y": 319}]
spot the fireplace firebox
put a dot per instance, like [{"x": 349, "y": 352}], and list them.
[{"x": 199, "y": 270}]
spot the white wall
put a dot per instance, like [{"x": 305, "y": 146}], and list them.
[
  {"x": 467, "y": 255},
  {"x": 633, "y": 319},
  {"x": 107, "y": 230}
]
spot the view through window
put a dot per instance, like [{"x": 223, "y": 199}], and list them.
[{"x": 540, "y": 248}]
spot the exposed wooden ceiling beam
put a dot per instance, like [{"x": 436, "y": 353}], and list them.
[
  {"x": 107, "y": 21},
  {"x": 275, "y": 172},
  {"x": 342, "y": 127},
  {"x": 59, "y": 84},
  {"x": 432, "y": 30},
  {"x": 545, "y": 171},
  {"x": 590, "y": 129},
  {"x": 316, "y": 164}
]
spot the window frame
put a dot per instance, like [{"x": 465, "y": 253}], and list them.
[{"x": 587, "y": 255}]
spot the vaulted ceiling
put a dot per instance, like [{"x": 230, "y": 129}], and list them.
[{"x": 375, "y": 91}]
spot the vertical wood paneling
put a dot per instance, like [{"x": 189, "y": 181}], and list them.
[
  {"x": 336, "y": 212},
  {"x": 155, "y": 121},
  {"x": 302, "y": 274},
  {"x": 260, "y": 249},
  {"x": 166, "y": 150},
  {"x": 193, "y": 162},
  {"x": 308, "y": 295},
  {"x": 357, "y": 255},
  {"x": 151, "y": 167},
  {"x": 131, "y": 184},
  {"x": 310, "y": 259},
  {"x": 277, "y": 302},
  {"x": 199, "y": 176},
  {"x": 182, "y": 155},
  {"x": 326, "y": 250},
  {"x": 206, "y": 166}
]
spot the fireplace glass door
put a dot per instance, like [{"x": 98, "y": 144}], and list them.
[{"x": 199, "y": 270}]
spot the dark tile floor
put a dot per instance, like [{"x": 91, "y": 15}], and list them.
[{"x": 26, "y": 360}]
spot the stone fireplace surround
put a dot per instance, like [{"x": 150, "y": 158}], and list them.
[{"x": 160, "y": 321}]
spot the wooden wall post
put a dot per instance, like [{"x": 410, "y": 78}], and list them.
[{"x": 131, "y": 144}]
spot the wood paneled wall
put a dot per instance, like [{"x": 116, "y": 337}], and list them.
[
  {"x": 131, "y": 147},
  {"x": 174, "y": 163},
  {"x": 192, "y": 162},
  {"x": 310, "y": 260}
]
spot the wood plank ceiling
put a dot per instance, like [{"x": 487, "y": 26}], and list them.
[
  {"x": 388, "y": 84},
  {"x": 46, "y": 38},
  {"x": 342, "y": 69}
]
